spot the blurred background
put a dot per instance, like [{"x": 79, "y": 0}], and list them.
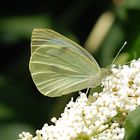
[{"x": 101, "y": 26}]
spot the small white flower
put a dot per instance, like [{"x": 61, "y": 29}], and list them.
[{"x": 96, "y": 117}]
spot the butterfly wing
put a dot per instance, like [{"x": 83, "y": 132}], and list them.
[
  {"x": 58, "y": 69},
  {"x": 43, "y": 37}
]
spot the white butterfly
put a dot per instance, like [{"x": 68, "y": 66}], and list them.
[{"x": 59, "y": 66}]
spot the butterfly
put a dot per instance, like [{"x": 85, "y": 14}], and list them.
[{"x": 59, "y": 66}]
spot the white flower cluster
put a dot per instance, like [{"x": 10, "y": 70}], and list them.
[{"x": 99, "y": 116}]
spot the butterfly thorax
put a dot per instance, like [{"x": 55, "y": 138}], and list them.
[
  {"x": 97, "y": 79},
  {"x": 105, "y": 72}
]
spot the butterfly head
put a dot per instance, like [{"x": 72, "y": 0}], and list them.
[
  {"x": 105, "y": 73},
  {"x": 97, "y": 79}
]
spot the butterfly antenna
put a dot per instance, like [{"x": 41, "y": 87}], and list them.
[{"x": 119, "y": 52}]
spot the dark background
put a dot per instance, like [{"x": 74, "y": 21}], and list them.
[{"x": 22, "y": 107}]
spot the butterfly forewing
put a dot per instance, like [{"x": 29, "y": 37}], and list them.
[{"x": 42, "y": 37}]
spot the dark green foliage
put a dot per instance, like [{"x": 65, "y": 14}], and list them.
[
  {"x": 132, "y": 125},
  {"x": 20, "y": 102}
]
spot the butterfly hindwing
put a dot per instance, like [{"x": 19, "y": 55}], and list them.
[{"x": 56, "y": 71}]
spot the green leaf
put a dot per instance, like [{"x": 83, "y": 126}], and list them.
[
  {"x": 132, "y": 4},
  {"x": 132, "y": 125}
]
